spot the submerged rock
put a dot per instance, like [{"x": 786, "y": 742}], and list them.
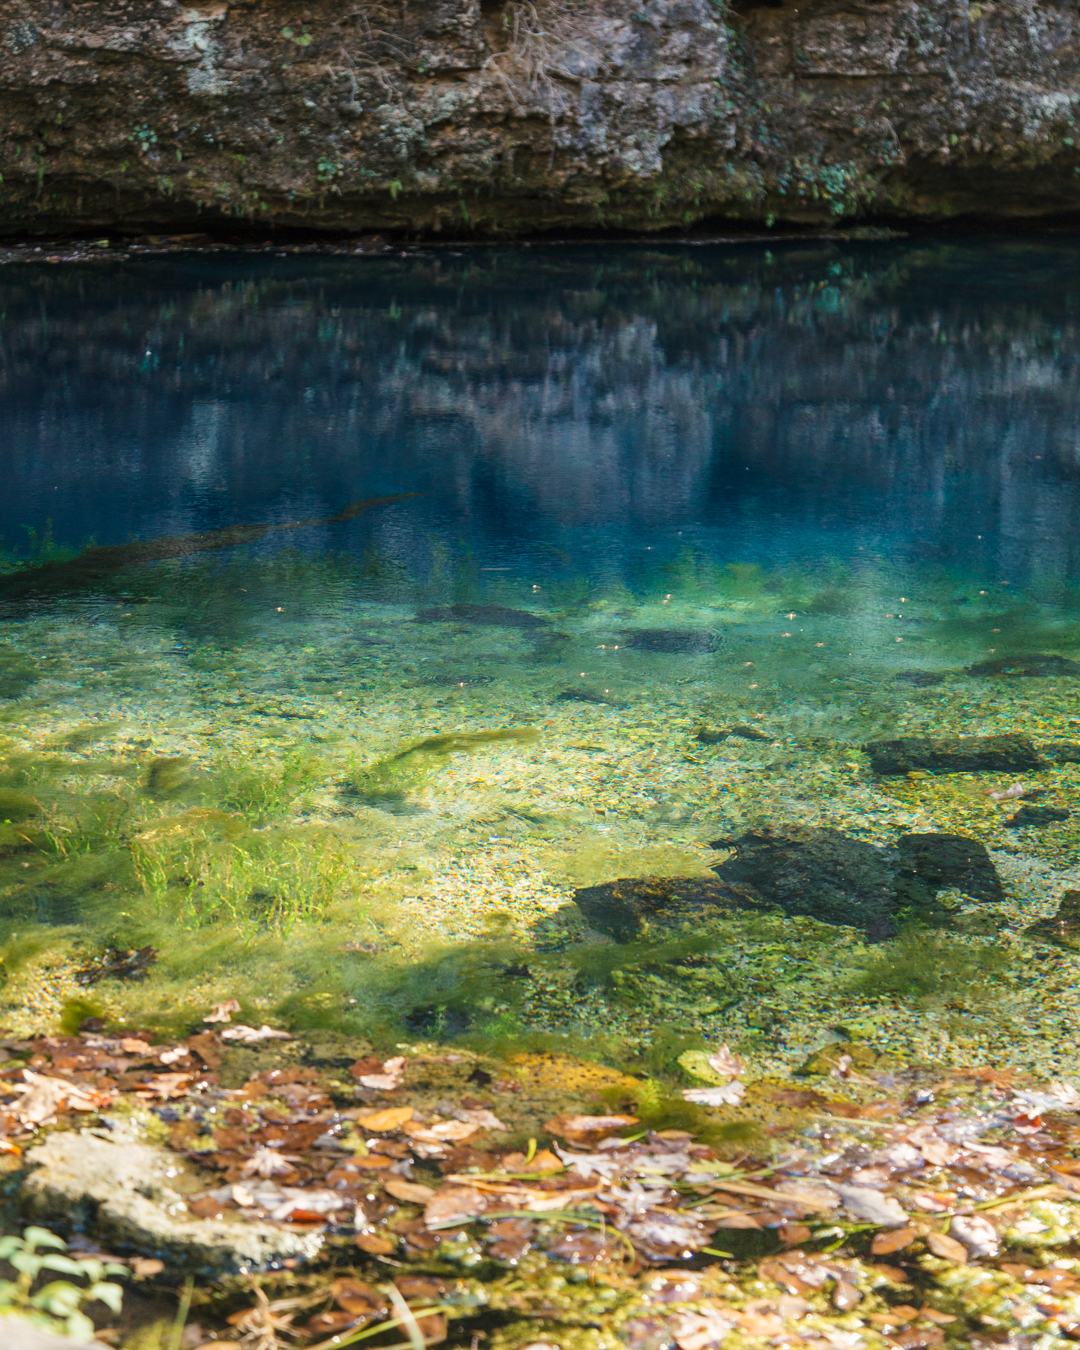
[
  {"x": 714, "y": 735},
  {"x": 1063, "y": 928},
  {"x": 818, "y": 872},
  {"x": 921, "y": 679},
  {"x": 587, "y": 696},
  {"x": 1011, "y": 753},
  {"x": 132, "y": 1196},
  {"x": 1034, "y": 665},
  {"x": 484, "y": 616},
  {"x": 935, "y": 861},
  {"x": 1033, "y": 817},
  {"x": 673, "y": 641},
  {"x": 623, "y": 908},
  {"x": 1061, "y": 752}
]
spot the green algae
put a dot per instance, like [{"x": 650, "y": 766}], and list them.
[{"x": 929, "y": 970}]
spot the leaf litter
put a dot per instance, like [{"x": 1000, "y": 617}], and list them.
[{"x": 906, "y": 1189}]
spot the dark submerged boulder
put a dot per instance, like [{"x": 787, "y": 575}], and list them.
[
  {"x": 1061, "y": 752},
  {"x": 624, "y": 908},
  {"x": 819, "y": 872},
  {"x": 1034, "y": 817},
  {"x": 673, "y": 641},
  {"x": 921, "y": 679},
  {"x": 1061, "y": 929},
  {"x": 1012, "y": 753},
  {"x": 1033, "y": 665},
  {"x": 930, "y": 862}
]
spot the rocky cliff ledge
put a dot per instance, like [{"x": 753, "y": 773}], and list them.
[{"x": 429, "y": 115}]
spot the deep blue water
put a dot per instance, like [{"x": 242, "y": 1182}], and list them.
[{"x": 577, "y": 408}]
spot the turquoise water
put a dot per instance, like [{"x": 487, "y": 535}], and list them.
[{"x": 559, "y": 566}]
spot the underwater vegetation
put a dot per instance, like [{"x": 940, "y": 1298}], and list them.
[
  {"x": 387, "y": 781},
  {"x": 100, "y": 562}
]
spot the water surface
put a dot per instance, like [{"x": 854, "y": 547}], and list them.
[{"x": 649, "y": 499}]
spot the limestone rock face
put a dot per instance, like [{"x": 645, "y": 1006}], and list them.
[
  {"x": 533, "y": 114},
  {"x": 133, "y": 1196}
]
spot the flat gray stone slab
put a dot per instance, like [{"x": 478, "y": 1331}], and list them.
[{"x": 132, "y": 1196}]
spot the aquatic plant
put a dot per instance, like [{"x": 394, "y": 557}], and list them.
[
  {"x": 267, "y": 791},
  {"x": 388, "y": 780},
  {"x": 928, "y": 969}
]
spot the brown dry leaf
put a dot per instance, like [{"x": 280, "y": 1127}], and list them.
[
  {"x": 699, "y": 1330},
  {"x": 440, "y": 1132},
  {"x": 947, "y": 1248},
  {"x": 897, "y": 1315},
  {"x": 386, "y": 1079},
  {"x": 358, "y": 1298},
  {"x": 382, "y": 1122},
  {"x": 250, "y": 1035},
  {"x": 482, "y": 1118},
  {"x": 142, "y": 1267},
  {"x": 733, "y": 1218},
  {"x": 932, "y": 1315},
  {"x": 724, "y": 1062},
  {"x": 759, "y": 1324},
  {"x": 222, "y": 1012},
  {"x": 165, "y": 1085},
  {"x": 453, "y": 1205},
  {"x": 893, "y": 1241},
  {"x": 579, "y": 1128},
  {"x": 432, "y": 1328},
  {"x": 131, "y": 1045},
  {"x": 43, "y": 1097},
  {"x": 374, "y": 1245},
  {"x": 408, "y": 1190},
  {"x": 268, "y": 1162}
]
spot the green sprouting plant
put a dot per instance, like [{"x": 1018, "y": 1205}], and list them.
[
  {"x": 58, "y": 1305},
  {"x": 260, "y": 794},
  {"x": 258, "y": 883}
]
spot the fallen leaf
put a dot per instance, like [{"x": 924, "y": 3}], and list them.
[
  {"x": 947, "y": 1248},
  {"x": 932, "y": 1315},
  {"x": 408, "y": 1190},
  {"x": 440, "y": 1131},
  {"x": 480, "y": 1117},
  {"x": 43, "y": 1097},
  {"x": 731, "y": 1094},
  {"x": 702, "y": 1330},
  {"x": 579, "y": 1128},
  {"x": 1066, "y": 1094},
  {"x": 390, "y": 1077},
  {"x": 358, "y": 1298},
  {"x": 863, "y": 1202},
  {"x": 373, "y": 1244},
  {"x": 165, "y": 1085},
  {"x": 454, "y": 1205},
  {"x": 894, "y": 1241},
  {"x": 268, "y": 1162},
  {"x": 222, "y": 1012},
  {"x": 131, "y": 1045},
  {"x": 249, "y": 1035},
  {"x": 726, "y": 1063},
  {"x": 381, "y": 1122},
  {"x": 142, "y": 1267},
  {"x": 978, "y": 1235}
]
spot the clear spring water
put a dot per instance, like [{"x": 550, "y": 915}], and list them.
[{"x": 813, "y": 468}]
